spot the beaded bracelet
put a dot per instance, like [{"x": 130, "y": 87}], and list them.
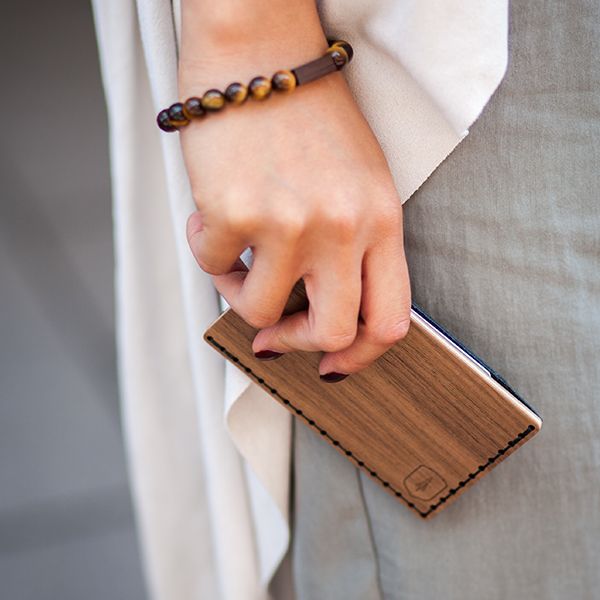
[{"x": 180, "y": 114}]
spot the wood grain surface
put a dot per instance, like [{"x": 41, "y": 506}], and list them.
[{"x": 422, "y": 420}]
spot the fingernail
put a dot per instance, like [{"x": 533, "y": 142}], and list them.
[
  {"x": 267, "y": 355},
  {"x": 333, "y": 377}
]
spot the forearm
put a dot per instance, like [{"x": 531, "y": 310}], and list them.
[{"x": 233, "y": 37}]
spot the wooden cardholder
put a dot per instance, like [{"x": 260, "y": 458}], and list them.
[{"x": 425, "y": 421}]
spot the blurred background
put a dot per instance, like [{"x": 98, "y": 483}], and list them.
[{"x": 67, "y": 529}]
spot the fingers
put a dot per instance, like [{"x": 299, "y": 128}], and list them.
[
  {"x": 215, "y": 249},
  {"x": 343, "y": 286},
  {"x": 260, "y": 295},
  {"x": 330, "y": 323},
  {"x": 385, "y": 310}
]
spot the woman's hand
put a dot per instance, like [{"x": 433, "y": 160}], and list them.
[{"x": 301, "y": 179}]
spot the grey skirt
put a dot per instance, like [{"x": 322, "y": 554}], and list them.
[{"x": 503, "y": 246}]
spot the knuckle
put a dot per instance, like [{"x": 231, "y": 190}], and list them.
[
  {"x": 289, "y": 227},
  {"x": 389, "y": 332},
  {"x": 341, "y": 221},
  {"x": 260, "y": 318},
  {"x": 358, "y": 365},
  {"x": 241, "y": 220},
  {"x": 345, "y": 226},
  {"x": 194, "y": 225},
  {"x": 331, "y": 341},
  {"x": 236, "y": 216}
]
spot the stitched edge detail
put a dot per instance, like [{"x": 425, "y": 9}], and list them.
[{"x": 261, "y": 381}]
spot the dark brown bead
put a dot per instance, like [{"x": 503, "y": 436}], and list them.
[
  {"x": 177, "y": 117},
  {"x": 192, "y": 108},
  {"x": 213, "y": 100},
  {"x": 260, "y": 88},
  {"x": 284, "y": 81},
  {"x": 162, "y": 120},
  {"x": 236, "y": 93},
  {"x": 346, "y": 46},
  {"x": 339, "y": 56}
]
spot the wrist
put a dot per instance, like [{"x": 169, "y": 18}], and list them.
[
  {"x": 226, "y": 44},
  {"x": 233, "y": 23}
]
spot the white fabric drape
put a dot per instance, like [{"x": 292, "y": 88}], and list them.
[{"x": 209, "y": 451}]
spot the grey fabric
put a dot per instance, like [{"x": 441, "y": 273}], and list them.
[
  {"x": 344, "y": 565},
  {"x": 503, "y": 245}
]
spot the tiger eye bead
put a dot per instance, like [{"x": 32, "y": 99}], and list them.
[
  {"x": 177, "y": 117},
  {"x": 346, "y": 46},
  {"x": 236, "y": 93},
  {"x": 339, "y": 56},
  {"x": 260, "y": 88},
  {"x": 192, "y": 108},
  {"x": 283, "y": 81},
  {"x": 213, "y": 100},
  {"x": 162, "y": 120}
]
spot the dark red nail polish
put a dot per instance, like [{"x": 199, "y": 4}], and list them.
[
  {"x": 267, "y": 355},
  {"x": 333, "y": 377}
]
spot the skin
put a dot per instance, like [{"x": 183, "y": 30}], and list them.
[{"x": 301, "y": 179}]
